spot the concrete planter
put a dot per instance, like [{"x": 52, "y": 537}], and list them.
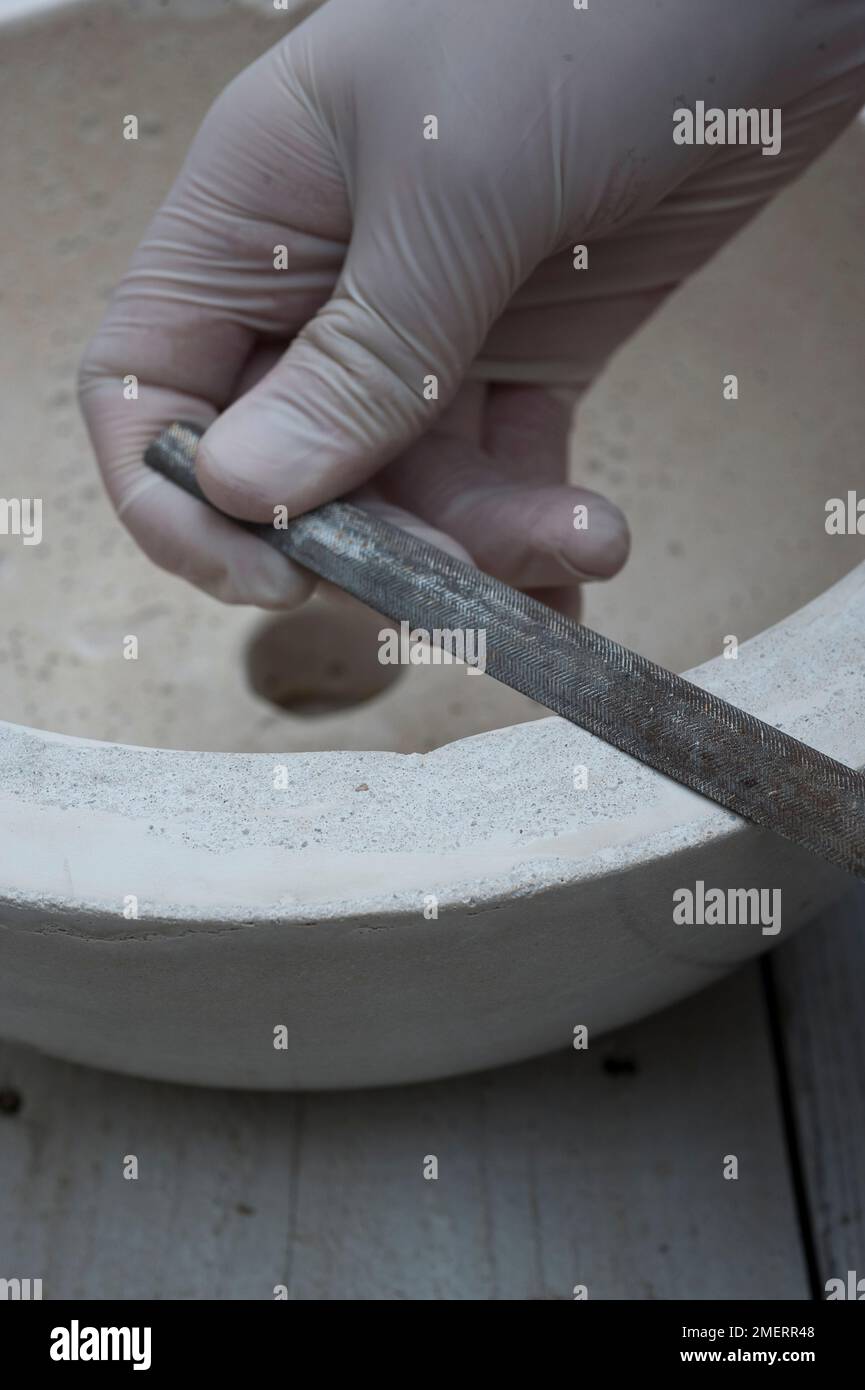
[{"x": 389, "y": 916}]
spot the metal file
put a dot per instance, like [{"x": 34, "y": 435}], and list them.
[{"x": 666, "y": 722}]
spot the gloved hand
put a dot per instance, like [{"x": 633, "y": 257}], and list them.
[{"x": 408, "y": 258}]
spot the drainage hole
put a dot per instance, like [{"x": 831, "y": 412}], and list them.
[{"x": 321, "y": 659}]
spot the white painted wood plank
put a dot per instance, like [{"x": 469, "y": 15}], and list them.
[
  {"x": 820, "y": 976},
  {"x": 557, "y": 1173},
  {"x": 551, "y": 1174},
  {"x": 206, "y": 1218}
]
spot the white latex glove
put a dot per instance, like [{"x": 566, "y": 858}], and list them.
[{"x": 409, "y": 257}]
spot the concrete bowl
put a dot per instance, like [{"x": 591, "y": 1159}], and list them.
[{"x": 306, "y": 913}]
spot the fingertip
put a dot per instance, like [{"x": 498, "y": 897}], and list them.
[
  {"x": 606, "y": 542},
  {"x": 233, "y": 465},
  {"x": 270, "y": 581}
]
